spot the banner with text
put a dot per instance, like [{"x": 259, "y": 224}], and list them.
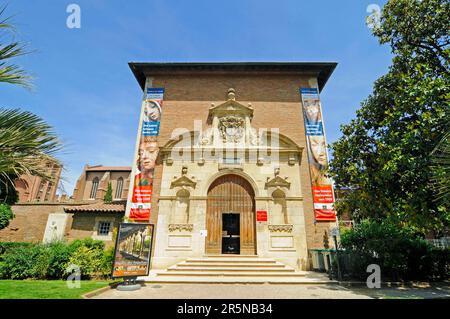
[
  {"x": 322, "y": 186},
  {"x": 139, "y": 207}
]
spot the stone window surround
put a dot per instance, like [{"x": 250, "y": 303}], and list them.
[{"x": 96, "y": 235}]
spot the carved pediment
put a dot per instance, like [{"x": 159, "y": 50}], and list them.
[
  {"x": 230, "y": 107},
  {"x": 183, "y": 181},
  {"x": 278, "y": 182}
]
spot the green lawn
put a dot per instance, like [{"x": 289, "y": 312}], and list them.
[{"x": 46, "y": 289}]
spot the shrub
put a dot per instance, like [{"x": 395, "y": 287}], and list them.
[
  {"x": 400, "y": 253},
  {"x": 60, "y": 253},
  {"x": 7, "y": 246},
  {"x": 89, "y": 260},
  {"x": 50, "y": 261},
  {"x": 25, "y": 262},
  {"x": 6, "y": 215}
]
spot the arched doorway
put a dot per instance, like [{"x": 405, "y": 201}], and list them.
[{"x": 230, "y": 217}]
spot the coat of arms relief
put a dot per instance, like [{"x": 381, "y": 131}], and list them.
[{"x": 231, "y": 129}]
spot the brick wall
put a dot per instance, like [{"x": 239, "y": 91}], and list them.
[
  {"x": 29, "y": 222},
  {"x": 276, "y": 102}
]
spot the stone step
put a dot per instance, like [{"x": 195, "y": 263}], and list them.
[
  {"x": 232, "y": 268},
  {"x": 230, "y": 273},
  {"x": 238, "y": 280},
  {"x": 230, "y": 260},
  {"x": 237, "y": 264}
]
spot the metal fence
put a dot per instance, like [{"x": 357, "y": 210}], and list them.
[{"x": 442, "y": 243}]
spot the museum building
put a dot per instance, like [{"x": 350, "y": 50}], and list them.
[{"x": 231, "y": 176}]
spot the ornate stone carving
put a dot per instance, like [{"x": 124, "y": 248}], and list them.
[
  {"x": 207, "y": 137},
  {"x": 277, "y": 181},
  {"x": 253, "y": 137},
  {"x": 183, "y": 181},
  {"x": 181, "y": 227},
  {"x": 231, "y": 129},
  {"x": 285, "y": 228}
]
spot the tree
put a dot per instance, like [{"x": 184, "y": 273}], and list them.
[
  {"x": 384, "y": 156},
  {"x": 440, "y": 178},
  {"x": 9, "y": 49},
  {"x": 108, "y": 195},
  {"x": 27, "y": 146}
]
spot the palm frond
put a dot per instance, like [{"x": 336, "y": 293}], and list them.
[
  {"x": 27, "y": 144},
  {"x": 9, "y": 48}
]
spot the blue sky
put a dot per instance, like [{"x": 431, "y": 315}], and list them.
[{"x": 84, "y": 88}]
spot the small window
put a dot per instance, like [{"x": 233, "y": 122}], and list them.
[
  {"x": 119, "y": 188},
  {"x": 94, "y": 188},
  {"x": 232, "y": 160},
  {"x": 103, "y": 228}
]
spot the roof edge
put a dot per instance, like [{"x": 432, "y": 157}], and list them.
[{"x": 143, "y": 69}]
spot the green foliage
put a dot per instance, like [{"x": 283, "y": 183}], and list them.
[
  {"x": 384, "y": 156},
  {"x": 399, "y": 252},
  {"x": 440, "y": 170},
  {"x": 8, "y": 193},
  {"x": 24, "y": 262},
  {"x": 87, "y": 242},
  {"x": 7, "y": 246},
  {"x": 27, "y": 145},
  {"x": 50, "y": 261},
  {"x": 59, "y": 255},
  {"x": 11, "y": 73},
  {"x": 108, "y": 195},
  {"x": 88, "y": 259},
  {"x": 6, "y": 215}
]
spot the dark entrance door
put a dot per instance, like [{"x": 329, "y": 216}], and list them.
[{"x": 231, "y": 239}]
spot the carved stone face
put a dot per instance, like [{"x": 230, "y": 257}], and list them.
[{"x": 231, "y": 129}]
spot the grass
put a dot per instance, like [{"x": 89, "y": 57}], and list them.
[{"x": 46, "y": 289}]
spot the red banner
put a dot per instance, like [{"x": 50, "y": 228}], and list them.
[
  {"x": 322, "y": 187},
  {"x": 139, "y": 205}
]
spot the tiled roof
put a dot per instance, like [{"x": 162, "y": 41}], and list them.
[
  {"x": 98, "y": 207},
  {"x": 108, "y": 168}
]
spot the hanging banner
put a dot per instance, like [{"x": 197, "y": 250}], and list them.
[
  {"x": 322, "y": 186},
  {"x": 133, "y": 250},
  {"x": 139, "y": 205}
]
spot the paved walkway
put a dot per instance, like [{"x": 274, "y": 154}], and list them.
[{"x": 266, "y": 291}]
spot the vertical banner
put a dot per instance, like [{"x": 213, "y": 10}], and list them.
[
  {"x": 139, "y": 205},
  {"x": 322, "y": 187}
]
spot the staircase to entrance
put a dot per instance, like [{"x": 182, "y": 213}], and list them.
[{"x": 234, "y": 269}]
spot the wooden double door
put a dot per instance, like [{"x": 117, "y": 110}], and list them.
[{"x": 231, "y": 202}]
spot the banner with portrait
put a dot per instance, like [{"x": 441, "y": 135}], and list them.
[
  {"x": 139, "y": 206},
  {"x": 322, "y": 186},
  {"x": 133, "y": 250}
]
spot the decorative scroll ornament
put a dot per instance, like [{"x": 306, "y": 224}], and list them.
[
  {"x": 287, "y": 228},
  {"x": 181, "y": 227}
]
